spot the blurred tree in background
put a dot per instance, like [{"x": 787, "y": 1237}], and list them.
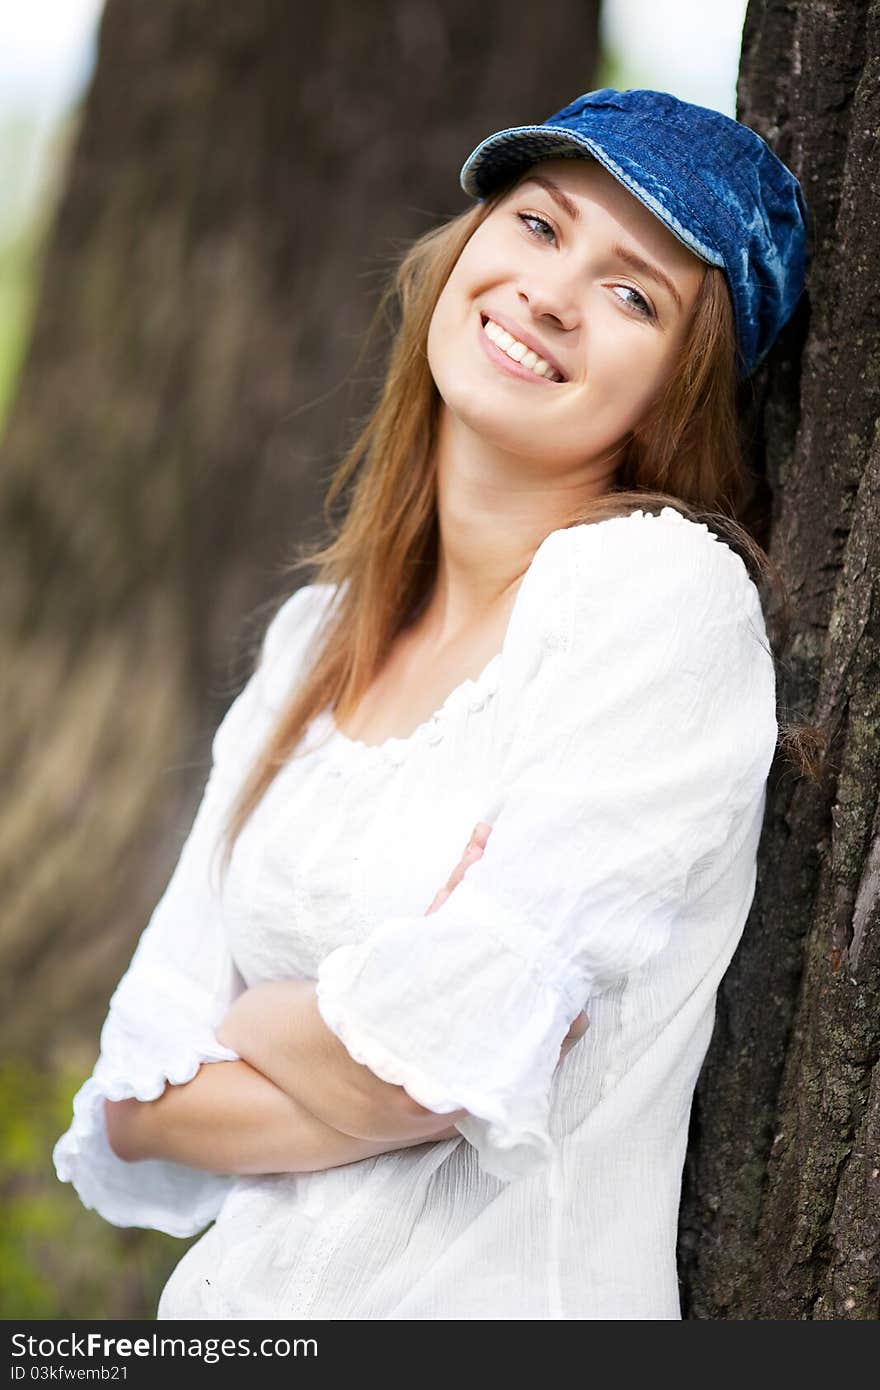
[{"x": 241, "y": 179}]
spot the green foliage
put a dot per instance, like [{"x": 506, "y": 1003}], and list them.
[
  {"x": 26, "y": 219},
  {"x": 58, "y": 1260},
  {"x": 18, "y": 259}
]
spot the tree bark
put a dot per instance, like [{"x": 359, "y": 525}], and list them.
[
  {"x": 242, "y": 178},
  {"x": 780, "y": 1213}
]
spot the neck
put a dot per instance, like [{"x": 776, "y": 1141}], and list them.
[{"x": 494, "y": 509}]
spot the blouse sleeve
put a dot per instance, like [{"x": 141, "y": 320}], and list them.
[
  {"x": 636, "y": 727},
  {"x": 179, "y": 983}
]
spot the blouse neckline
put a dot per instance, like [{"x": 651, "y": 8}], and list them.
[{"x": 470, "y": 694}]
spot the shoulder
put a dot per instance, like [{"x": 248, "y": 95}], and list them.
[
  {"x": 287, "y": 635},
  {"x": 281, "y": 652},
  {"x": 637, "y": 627},
  {"x": 635, "y": 570},
  {"x": 300, "y": 612},
  {"x": 642, "y": 596},
  {"x": 641, "y": 544}
]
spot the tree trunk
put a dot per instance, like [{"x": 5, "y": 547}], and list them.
[
  {"x": 780, "y": 1215},
  {"x": 242, "y": 178}
]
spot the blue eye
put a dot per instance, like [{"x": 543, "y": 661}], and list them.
[
  {"x": 644, "y": 311},
  {"x": 527, "y": 217}
]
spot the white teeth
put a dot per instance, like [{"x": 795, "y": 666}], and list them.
[{"x": 519, "y": 352}]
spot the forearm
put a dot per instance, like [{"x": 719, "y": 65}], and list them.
[
  {"x": 231, "y": 1119},
  {"x": 276, "y": 1026}
]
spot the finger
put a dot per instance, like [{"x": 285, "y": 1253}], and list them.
[
  {"x": 480, "y": 834},
  {"x": 469, "y": 857},
  {"x": 472, "y": 853},
  {"x": 457, "y": 875}
]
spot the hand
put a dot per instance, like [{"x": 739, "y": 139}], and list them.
[
  {"x": 472, "y": 852},
  {"x": 575, "y": 1032}
]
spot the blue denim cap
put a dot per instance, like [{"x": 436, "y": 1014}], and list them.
[{"x": 711, "y": 180}]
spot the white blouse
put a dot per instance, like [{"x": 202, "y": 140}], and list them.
[{"x": 619, "y": 746}]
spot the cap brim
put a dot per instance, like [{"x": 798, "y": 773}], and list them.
[{"x": 502, "y": 156}]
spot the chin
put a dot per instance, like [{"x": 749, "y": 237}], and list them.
[{"x": 475, "y": 405}]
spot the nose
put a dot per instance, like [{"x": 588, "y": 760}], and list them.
[{"x": 550, "y": 302}]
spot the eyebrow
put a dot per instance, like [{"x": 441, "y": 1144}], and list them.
[{"x": 623, "y": 253}]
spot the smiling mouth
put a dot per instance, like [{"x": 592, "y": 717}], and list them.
[{"x": 522, "y": 356}]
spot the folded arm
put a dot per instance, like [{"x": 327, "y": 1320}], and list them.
[
  {"x": 276, "y": 1027},
  {"x": 293, "y": 1101},
  {"x": 231, "y": 1119}
]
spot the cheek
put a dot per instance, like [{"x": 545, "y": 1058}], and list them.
[
  {"x": 444, "y": 351},
  {"x": 631, "y": 364},
  {"x": 465, "y": 284},
  {"x": 448, "y": 305},
  {"x": 438, "y": 336},
  {"x": 620, "y": 383},
  {"x": 451, "y": 321}
]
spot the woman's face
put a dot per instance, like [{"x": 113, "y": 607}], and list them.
[{"x": 566, "y": 286}]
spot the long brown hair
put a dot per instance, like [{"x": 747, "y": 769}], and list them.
[{"x": 686, "y": 452}]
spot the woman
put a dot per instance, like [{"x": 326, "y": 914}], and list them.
[{"x": 521, "y": 626}]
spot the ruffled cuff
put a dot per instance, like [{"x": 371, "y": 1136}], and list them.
[
  {"x": 153, "y": 1193},
  {"x": 462, "y": 1010}
]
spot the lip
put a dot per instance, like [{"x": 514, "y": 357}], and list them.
[{"x": 515, "y": 331}]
